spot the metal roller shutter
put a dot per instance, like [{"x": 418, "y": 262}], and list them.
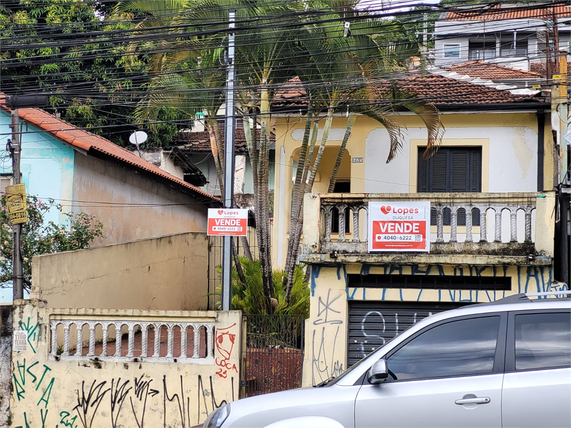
[{"x": 372, "y": 324}]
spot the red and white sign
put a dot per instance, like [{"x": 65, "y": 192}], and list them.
[
  {"x": 399, "y": 226},
  {"x": 227, "y": 222}
]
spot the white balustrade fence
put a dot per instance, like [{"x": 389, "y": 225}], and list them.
[
  {"x": 132, "y": 340},
  {"x": 491, "y": 220}
]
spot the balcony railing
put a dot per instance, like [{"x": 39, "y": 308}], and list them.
[{"x": 462, "y": 223}]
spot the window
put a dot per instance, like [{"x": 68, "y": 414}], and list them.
[
  {"x": 458, "y": 348},
  {"x": 451, "y": 169},
  {"x": 452, "y": 50},
  {"x": 481, "y": 49},
  {"x": 340, "y": 187},
  {"x": 542, "y": 341}
]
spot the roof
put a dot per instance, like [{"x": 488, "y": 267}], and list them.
[
  {"x": 92, "y": 144},
  {"x": 502, "y": 12},
  {"x": 199, "y": 141},
  {"x": 443, "y": 91},
  {"x": 487, "y": 70},
  {"x": 439, "y": 90}
]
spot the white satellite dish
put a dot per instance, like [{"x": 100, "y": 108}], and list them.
[{"x": 138, "y": 137}]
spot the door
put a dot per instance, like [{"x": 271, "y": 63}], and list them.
[
  {"x": 448, "y": 375},
  {"x": 538, "y": 371}
]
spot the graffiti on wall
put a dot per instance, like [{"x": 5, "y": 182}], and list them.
[
  {"x": 326, "y": 332},
  {"x": 119, "y": 401},
  {"x": 530, "y": 279},
  {"x": 225, "y": 341}
]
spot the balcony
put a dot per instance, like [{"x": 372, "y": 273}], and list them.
[{"x": 473, "y": 228}]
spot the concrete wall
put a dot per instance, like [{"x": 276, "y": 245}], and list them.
[
  {"x": 168, "y": 273},
  {"x": 5, "y": 362},
  {"x": 132, "y": 206},
  {"x": 327, "y": 327},
  {"x": 85, "y": 392}
]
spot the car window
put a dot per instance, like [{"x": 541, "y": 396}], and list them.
[
  {"x": 457, "y": 348},
  {"x": 542, "y": 341}
]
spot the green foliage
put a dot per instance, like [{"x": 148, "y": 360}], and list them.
[
  {"x": 250, "y": 298},
  {"x": 39, "y": 237}
]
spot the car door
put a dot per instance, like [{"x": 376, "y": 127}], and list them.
[
  {"x": 538, "y": 370},
  {"x": 447, "y": 375}
]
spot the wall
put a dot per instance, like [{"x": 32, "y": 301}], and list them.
[
  {"x": 46, "y": 165},
  {"x": 169, "y": 273},
  {"x": 326, "y": 329},
  {"x": 5, "y": 362},
  {"x": 86, "y": 392},
  {"x": 132, "y": 206}
]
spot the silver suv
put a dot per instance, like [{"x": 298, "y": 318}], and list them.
[{"x": 503, "y": 364}]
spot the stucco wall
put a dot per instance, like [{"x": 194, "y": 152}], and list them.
[
  {"x": 90, "y": 393},
  {"x": 169, "y": 273},
  {"x": 5, "y": 362},
  {"x": 132, "y": 206},
  {"x": 326, "y": 329},
  {"x": 509, "y": 144}
]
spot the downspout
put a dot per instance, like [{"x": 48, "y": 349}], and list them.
[{"x": 540, "y": 148}]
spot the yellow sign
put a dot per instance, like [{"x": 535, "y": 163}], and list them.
[
  {"x": 16, "y": 203},
  {"x": 557, "y": 77},
  {"x": 536, "y": 87}
]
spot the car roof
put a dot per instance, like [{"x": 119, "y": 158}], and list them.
[{"x": 516, "y": 302}]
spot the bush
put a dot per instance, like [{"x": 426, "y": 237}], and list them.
[
  {"x": 250, "y": 299},
  {"x": 41, "y": 238}
]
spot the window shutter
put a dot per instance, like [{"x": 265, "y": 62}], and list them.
[
  {"x": 439, "y": 172},
  {"x": 459, "y": 171}
]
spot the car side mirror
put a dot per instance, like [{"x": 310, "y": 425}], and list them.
[{"x": 378, "y": 373}]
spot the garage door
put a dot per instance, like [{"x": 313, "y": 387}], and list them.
[{"x": 372, "y": 324}]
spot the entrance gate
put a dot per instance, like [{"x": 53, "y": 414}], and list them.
[{"x": 273, "y": 357}]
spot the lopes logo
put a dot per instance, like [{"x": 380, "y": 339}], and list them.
[
  {"x": 385, "y": 209},
  {"x": 220, "y": 212}
]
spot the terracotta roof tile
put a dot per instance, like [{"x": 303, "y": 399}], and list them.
[
  {"x": 87, "y": 141},
  {"x": 443, "y": 91},
  {"x": 486, "y": 70},
  {"x": 498, "y": 12}
]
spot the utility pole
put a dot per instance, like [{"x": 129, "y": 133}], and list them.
[
  {"x": 16, "y": 151},
  {"x": 228, "y": 166},
  {"x": 17, "y": 268}
]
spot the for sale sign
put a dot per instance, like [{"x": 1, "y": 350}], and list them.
[
  {"x": 399, "y": 226},
  {"x": 227, "y": 222}
]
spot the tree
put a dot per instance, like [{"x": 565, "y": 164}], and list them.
[
  {"x": 39, "y": 237},
  {"x": 276, "y": 41},
  {"x": 67, "y": 50}
]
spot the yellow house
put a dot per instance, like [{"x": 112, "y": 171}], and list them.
[{"x": 488, "y": 231}]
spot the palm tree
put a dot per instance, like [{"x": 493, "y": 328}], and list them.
[
  {"x": 277, "y": 40},
  {"x": 343, "y": 72}
]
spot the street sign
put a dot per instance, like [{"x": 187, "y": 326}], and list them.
[
  {"x": 227, "y": 222},
  {"x": 399, "y": 226},
  {"x": 16, "y": 203}
]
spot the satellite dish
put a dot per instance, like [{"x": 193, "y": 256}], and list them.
[{"x": 138, "y": 137}]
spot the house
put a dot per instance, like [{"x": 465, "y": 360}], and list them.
[
  {"x": 491, "y": 190},
  {"x": 516, "y": 35},
  {"x": 196, "y": 145},
  {"x": 133, "y": 198}
]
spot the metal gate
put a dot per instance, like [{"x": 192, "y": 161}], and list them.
[
  {"x": 273, "y": 354},
  {"x": 372, "y": 324}
]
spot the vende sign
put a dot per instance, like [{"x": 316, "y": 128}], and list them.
[
  {"x": 399, "y": 226},
  {"x": 227, "y": 222}
]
